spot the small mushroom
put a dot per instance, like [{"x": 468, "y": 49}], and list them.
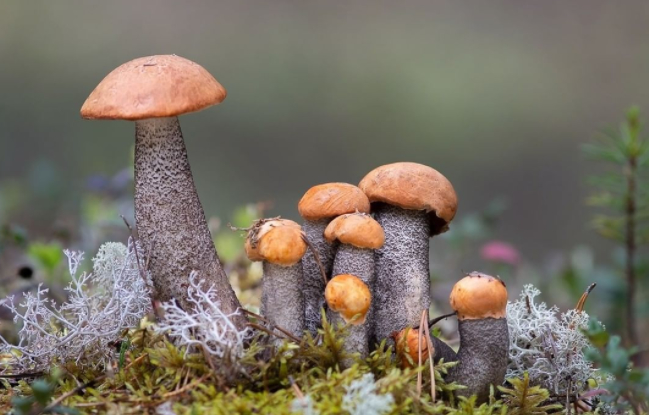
[
  {"x": 412, "y": 202},
  {"x": 349, "y": 301},
  {"x": 349, "y": 297},
  {"x": 280, "y": 245},
  {"x": 318, "y": 206},
  {"x": 153, "y": 91},
  {"x": 481, "y": 302},
  {"x": 359, "y": 235},
  {"x": 410, "y": 335}
]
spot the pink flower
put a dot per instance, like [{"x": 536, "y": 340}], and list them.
[{"x": 498, "y": 251}]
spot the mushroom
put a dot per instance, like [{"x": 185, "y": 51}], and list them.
[
  {"x": 481, "y": 302},
  {"x": 153, "y": 91},
  {"x": 349, "y": 301},
  {"x": 359, "y": 235},
  {"x": 280, "y": 245},
  {"x": 412, "y": 202},
  {"x": 318, "y": 206},
  {"x": 410, "y": 337}
]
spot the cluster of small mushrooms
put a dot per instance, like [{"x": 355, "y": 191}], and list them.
[{"x": 368, "y": 262}]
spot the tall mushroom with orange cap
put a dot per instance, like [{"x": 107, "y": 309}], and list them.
[
  {"x": 481, "y": 304},
  {"x": 318, "y": 206},
  {"x": 280, "y": 245},
  {"x": 153, "y": 91},
  {"x": 359, "y": 235},
  {"x": 412, "y": 202}
]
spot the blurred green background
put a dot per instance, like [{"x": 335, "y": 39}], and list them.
[{"x": 499, "y": 96}]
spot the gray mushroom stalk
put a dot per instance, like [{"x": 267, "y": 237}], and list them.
[{"x": 153, "y": 91}]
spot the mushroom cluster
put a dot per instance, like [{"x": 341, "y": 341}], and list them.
[{"x": 368, "y": 266}]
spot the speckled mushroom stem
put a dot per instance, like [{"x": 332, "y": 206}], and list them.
[
  {"x": 484, "y": 346},
  {"x": 170, "y": 220},
  {"x": 359, "y": 262},
  {"x": 314, "y": 284},
  {"x": 402, "y": 286},
  {"x": 282, "y": 299},
  {"x": 442, "y": 351}
]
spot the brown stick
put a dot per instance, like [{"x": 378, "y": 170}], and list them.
[{"x": 274, "y": 326}]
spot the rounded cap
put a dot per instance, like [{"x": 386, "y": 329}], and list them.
[
  {"x": 357, "y": 229},
  {"x": 332, "y": 199},
  {"x": 347, "y": 295},
  {"x": 479, "y": 296},
  {"x": 407, "y": 344},
  {"x": 153, "y": 87},
  {"x": 413, "y": 186},
  {"x": 278, "y": 241}
]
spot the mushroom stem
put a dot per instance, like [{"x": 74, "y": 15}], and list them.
[
  {"x": 484, "y": 345},
  {"x": 170, "y": 220},
  {"x": 314, "y": 285},
  {"x": 402, "y": 286},
  {"x": 282, "y": 300},
  {"x": 359, "y": 262}
]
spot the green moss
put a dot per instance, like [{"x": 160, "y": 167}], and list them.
[{"x": 268, "y": 381}]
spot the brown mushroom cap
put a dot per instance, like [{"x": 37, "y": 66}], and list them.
[
  {"x": 357, "y": 229},
  {"x": 153, "y": 87},
  {"x": 479, "y": 296},
  {"x": 278, "y": 241},
  {"x": 347, "y": 295},
  {"x": 413, "y": 186},
  {"x": 332, "y": 199}
]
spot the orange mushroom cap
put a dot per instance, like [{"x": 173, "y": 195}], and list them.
[
  {"x": 153, "y": 87},
  {"x": 407, "y": 344},
  {"x": 332, "y": 199},
  {"x": 413, "y": 186},
  {"x": 347, "y": 295},
  {"x": 357, "y": 229},
  {"x": 278, "y": 241},
  {"x": 479, "y": 296}
]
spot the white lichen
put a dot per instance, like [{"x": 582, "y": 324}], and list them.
[
  {"x": 547, "y": 344},
  {"x": 100, "y": 306},
  {"x": 205, "y": 328},
  {"x": 361, "y": 398},
  {"x": 304, "y": 406}
]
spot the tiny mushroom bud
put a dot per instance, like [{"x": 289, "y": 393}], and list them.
[
  {"x": 441, "y": 350},
  {"x": 481, "y": 303},
  {"x": 280, "y": 245},
  {"x": 318, "y": 206},
  {"x": 407, "y": 345},
  {"x": 359, "y": 235},
  {"x": 348, "y": 296},
  {"x": 153, "y": 91},
  {"x": 412, "y": 202}
]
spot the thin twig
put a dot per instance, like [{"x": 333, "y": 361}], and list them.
[
  {"x": 317, "y": 258},
  {"x": 142, "y": 272},
  {"x": 296, "y": 388},
  {"x": 436, "y": 320},
  {"x": 274, "y": 326},
  {"x": 66, "y": 395},
  {"x": 584, "y": 296},
  {"x": 186, "y": 387}
]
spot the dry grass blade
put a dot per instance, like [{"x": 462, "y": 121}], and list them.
[
  {"x": 422, "y": 324},
  {"x": 431, "y": 350}
]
